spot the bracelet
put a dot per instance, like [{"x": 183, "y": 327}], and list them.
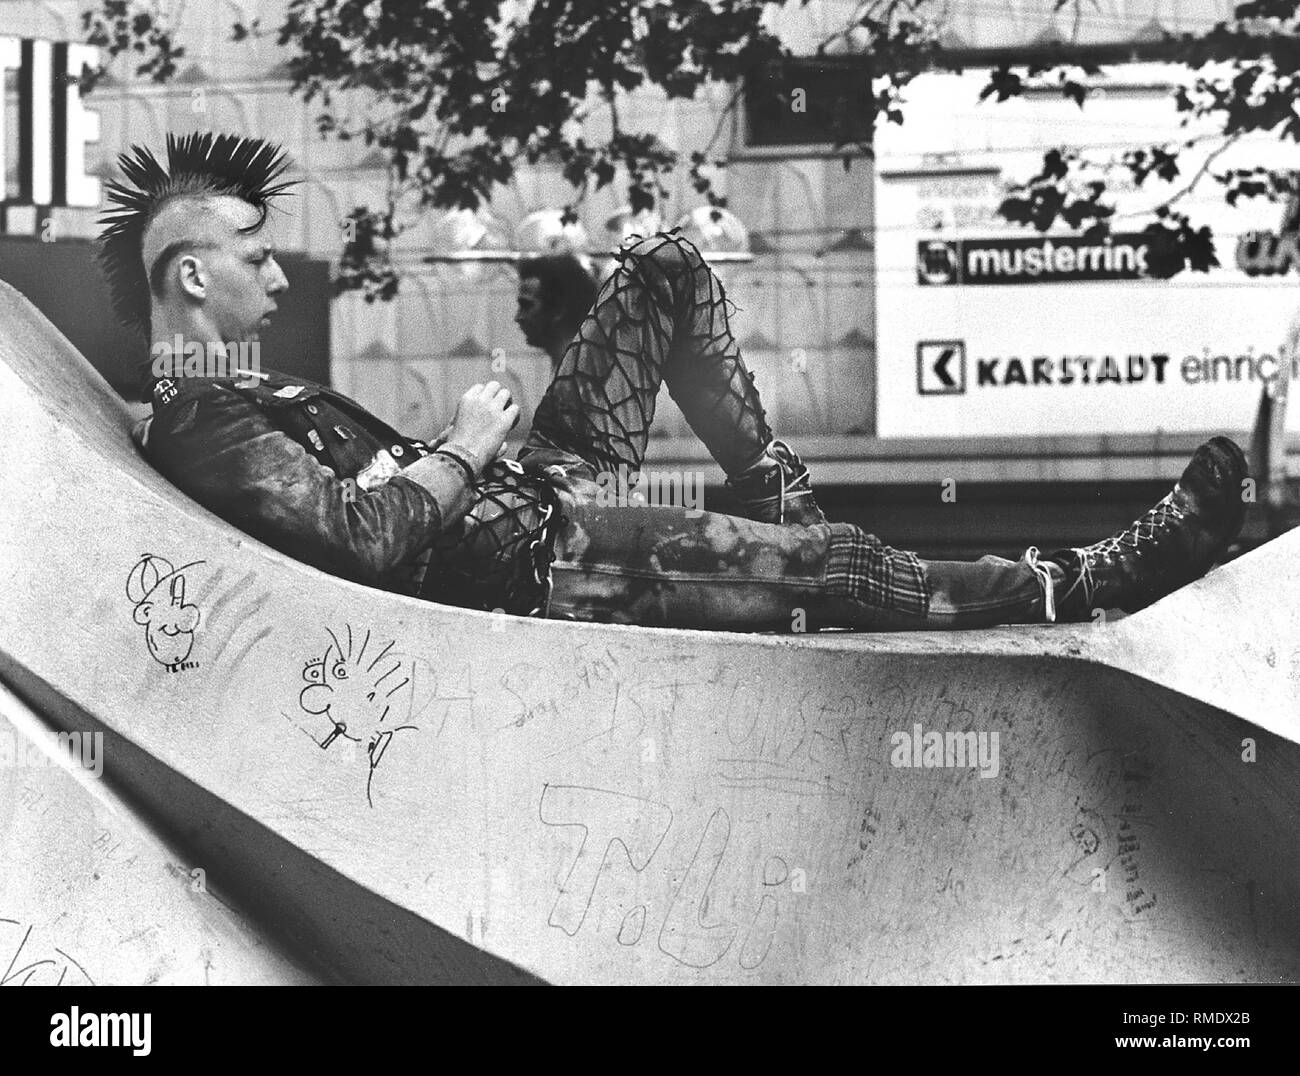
[{"x": 470, "y": 477}]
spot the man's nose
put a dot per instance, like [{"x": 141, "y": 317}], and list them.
[{"x": 278, "y": 282}]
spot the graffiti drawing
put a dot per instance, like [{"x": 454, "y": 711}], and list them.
[
  {"x": 157, "y": 590},
  {"x": 363, "y": 690}
]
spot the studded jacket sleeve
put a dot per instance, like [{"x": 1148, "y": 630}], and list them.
[{"x": 223, "y": 450}]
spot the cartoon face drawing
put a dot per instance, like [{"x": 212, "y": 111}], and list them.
[
  {"x": 169, "y": 622},
  {"x": 364, "y": 693},
  {"x": 354, "y": 691}
]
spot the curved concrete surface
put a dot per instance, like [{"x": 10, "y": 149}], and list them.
[
  {"x": 91, "y": 896},
  {"x": 581, "y": 803}
]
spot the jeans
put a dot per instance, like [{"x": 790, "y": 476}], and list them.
[
  {"x": 662, "y": 318},
  {"x": 673, "y": 567}
]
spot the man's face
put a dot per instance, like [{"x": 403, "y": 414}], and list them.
[
  {"x": 531, "y": 317},
  {"x": 243, "y": 279},
  {"x": 233, "y": 275}
]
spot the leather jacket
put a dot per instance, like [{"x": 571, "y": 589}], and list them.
[{"x": 311, "y": 473}]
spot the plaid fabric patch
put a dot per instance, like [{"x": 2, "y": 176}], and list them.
[{"x": 866, "y": 569}]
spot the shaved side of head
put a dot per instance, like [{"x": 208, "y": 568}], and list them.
[{"x": 192, "y": 224}]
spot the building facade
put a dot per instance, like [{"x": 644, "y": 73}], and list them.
[{"x": 807, "y": 302}]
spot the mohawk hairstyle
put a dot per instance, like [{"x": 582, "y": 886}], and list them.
[{"x": 197, "y": 164}]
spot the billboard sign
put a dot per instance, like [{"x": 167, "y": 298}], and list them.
[{"x": 987, "y": 328}]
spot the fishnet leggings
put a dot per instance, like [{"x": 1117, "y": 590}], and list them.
[{"x": 661, "y": 317}]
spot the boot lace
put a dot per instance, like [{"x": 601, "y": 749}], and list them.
[
  {"x": 790, "y": 463},
  {"x": 788, "y": 487},
  {"x": 1159, "y": 517},
  {"x": 1142, "y": 532}
]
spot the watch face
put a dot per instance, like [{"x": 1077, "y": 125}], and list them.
[{"x": 936, "y": 262}]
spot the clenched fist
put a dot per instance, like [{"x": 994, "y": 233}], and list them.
[{"x": 484, "y": 418}]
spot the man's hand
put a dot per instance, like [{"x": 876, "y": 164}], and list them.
[
  {"x": 484, "y": 418},
  {"x": 445, "y": 436}
]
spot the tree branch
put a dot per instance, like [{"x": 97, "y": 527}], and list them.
[{"x": 1201, "y": 172}]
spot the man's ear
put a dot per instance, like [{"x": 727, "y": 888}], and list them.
[
  {"x": 192, "y": 276},
  {"x": 557, "y": 315}
]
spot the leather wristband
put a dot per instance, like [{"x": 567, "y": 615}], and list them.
[{"x": 455, "y": 457}]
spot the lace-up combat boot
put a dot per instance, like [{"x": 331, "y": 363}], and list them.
[
  {"x": 777, "y": 489},
  {"x": 1175, "y": 542}
]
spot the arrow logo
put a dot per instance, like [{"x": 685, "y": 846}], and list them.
[{"x": 941, "y": 366}]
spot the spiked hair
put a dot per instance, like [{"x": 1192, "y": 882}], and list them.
[{"x": 197, "y": 165}]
